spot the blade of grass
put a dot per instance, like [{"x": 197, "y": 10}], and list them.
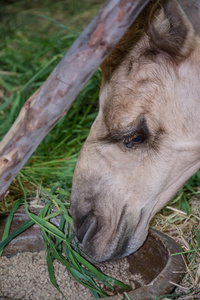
[
  {"x": 50, "y": 228},
  {"x": 49, "y": 260},
  {"x": 52, "y": 215},
  {"x": 52, "y": 273},
  {"x": 9, "y": 221},
  {"x": 77, "y": 271},
  {"x": 61, "y": 205},
  {"x": 50, "y": 267},
  {"x": 40, "y": 72},
  {"x": 183, "y": 204},
  {"x": 15, "y": 233},
  {"x": 72, "y": 266},
  {"x": 71, "y": 269},
  {"x": 15, "y": 104},
  {"x": 61, "y": 227},
  {"x": 73, "y": 34},
  {"x": 97, "y": 273},
  {"x": 127, "y": 296},
  {"x": 198, "y": 239},
  {"x": 186, "y": 252},
  {"x": 21, "y": 185},
  {"x": 7, "y": 102},
  {"x": 20, "y": 229}
]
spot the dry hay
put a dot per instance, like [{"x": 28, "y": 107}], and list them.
[{"x": 183, "y": 229}]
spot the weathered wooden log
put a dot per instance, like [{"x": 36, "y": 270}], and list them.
[
  {"x": 48, "y": 104},
  {"x": 192, "y": 9}
]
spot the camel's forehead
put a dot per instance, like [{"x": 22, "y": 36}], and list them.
[{"x": 126, "y": 96}]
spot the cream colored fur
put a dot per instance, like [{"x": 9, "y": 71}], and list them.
[{"x": 153, "y": 74}]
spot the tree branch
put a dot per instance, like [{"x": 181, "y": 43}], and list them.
[{"x": 192, "y": 10}]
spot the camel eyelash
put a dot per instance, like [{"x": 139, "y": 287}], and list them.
[
  {"x": 135, "y": 139},
  {"x": 130, "y": 137}
]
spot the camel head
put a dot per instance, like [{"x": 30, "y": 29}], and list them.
[{"x": 145, "y": 141}]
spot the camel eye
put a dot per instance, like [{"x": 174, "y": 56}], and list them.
[{"x": 135, "y": 139}]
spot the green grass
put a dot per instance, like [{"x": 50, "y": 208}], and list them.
[{"x": 63, "y": 248}]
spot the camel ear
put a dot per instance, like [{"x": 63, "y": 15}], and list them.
[{"x": 171, "y": 31}]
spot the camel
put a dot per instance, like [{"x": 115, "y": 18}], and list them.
[{"x": 145, "y": 142}]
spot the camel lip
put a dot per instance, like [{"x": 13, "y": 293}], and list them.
[
  {"x": 127, "y": 241},
  {"x": 137, "y": 237}
]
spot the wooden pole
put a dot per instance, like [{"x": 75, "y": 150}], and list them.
[
  {"x": 48, "y": 104},
  {"x": 192, "y": 10}
]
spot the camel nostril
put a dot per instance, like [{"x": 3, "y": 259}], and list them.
[{"x": 86, "y": 227}]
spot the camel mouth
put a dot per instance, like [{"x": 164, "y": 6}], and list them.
[{"x": 100, "y": 242}]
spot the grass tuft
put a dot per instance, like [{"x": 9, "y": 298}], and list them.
[{"x": 60, "y": 244}]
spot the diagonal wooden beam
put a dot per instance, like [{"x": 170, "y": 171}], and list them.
[
  {"x": 48, "y": 104},
  {"x": 192, "y": 10}
]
